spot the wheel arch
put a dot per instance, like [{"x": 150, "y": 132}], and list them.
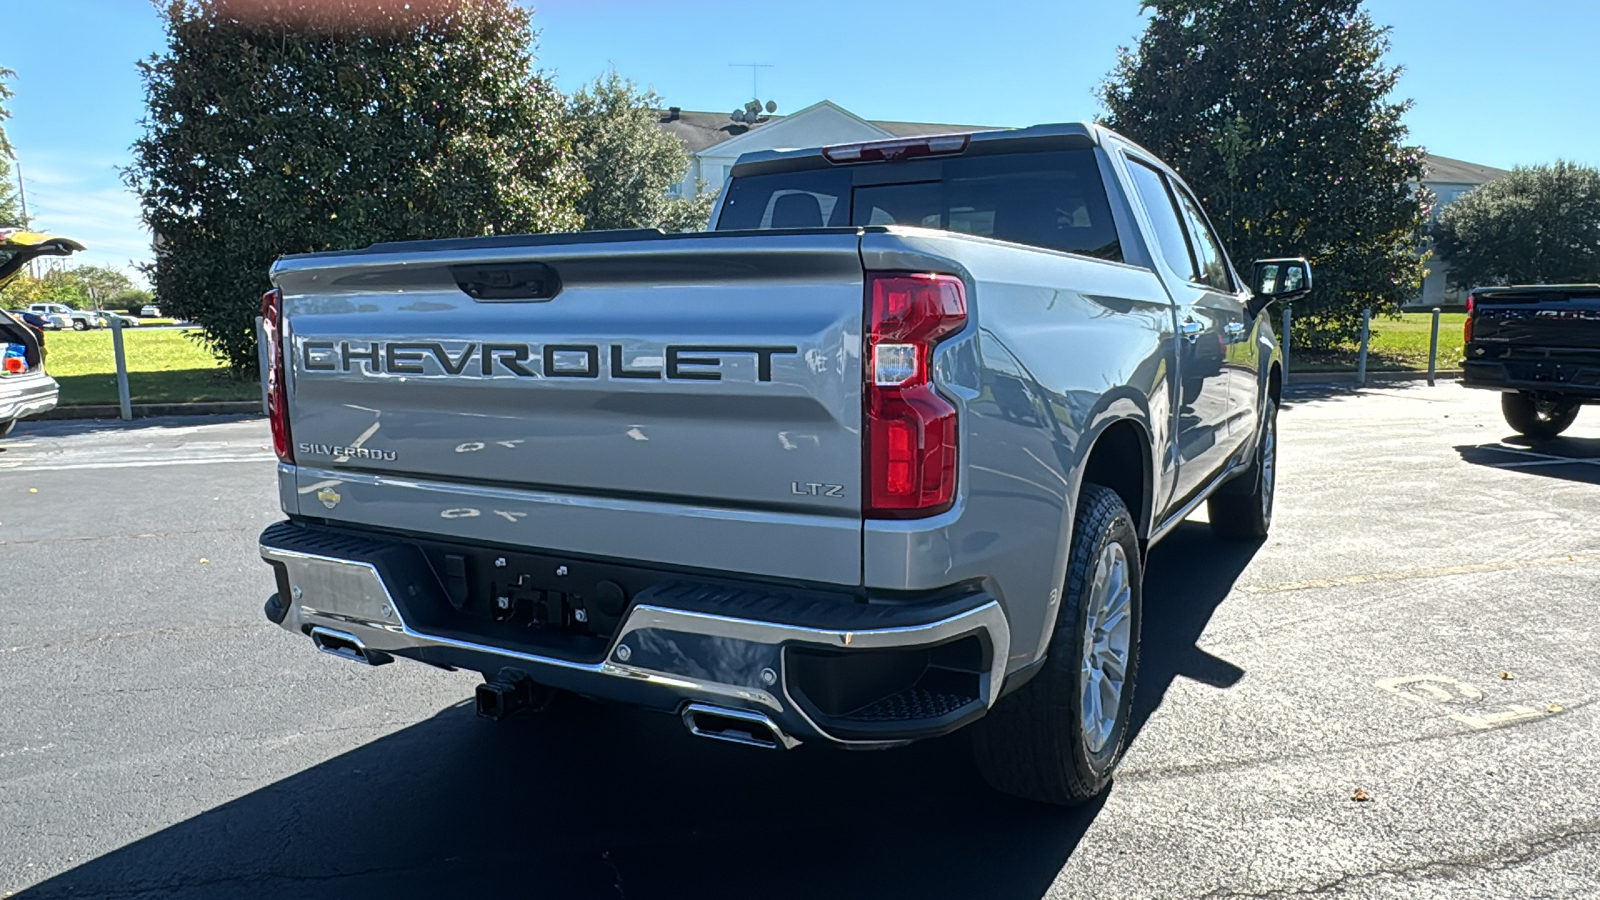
[{"x": 1120, "y": 457}]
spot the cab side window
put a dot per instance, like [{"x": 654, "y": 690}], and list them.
[
  {"x": 1213, "y": 266},
  {"x": 1151, "y": 186}
]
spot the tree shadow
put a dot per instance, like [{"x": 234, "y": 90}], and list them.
[
  {"x": 67, "y": 427},
  {"x": 1568, "y": 458},
  {"x": 203, "y": 384},
  {"x": 596, "y": 801}
]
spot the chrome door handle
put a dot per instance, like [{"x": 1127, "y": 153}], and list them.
[{"x": 1191, "y": 330}]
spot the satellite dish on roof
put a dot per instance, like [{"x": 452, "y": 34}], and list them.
[
  {"x": 737, "y": 115},
  {"x": 753, "y": 108},
  {"x": 771, "y": 107}
]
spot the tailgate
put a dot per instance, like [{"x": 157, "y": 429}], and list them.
[
  {"x": 672, "y": 397},
  {"x": 1550, "y": 317}
]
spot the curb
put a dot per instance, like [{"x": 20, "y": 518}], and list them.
[
  {"x": 147, "y": 410},
  {"x": 1349, "y": 378}
]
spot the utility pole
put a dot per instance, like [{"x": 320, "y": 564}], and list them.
[{"x": 22, "y": 194}]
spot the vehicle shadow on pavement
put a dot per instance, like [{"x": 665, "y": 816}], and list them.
[
  {"x": 1569, "y": 458},
  {"x": 1187, "y": 577},
  {"x": 596, "y": 801}
]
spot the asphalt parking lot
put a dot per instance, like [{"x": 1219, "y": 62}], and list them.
[{"x": 1420, "y": 631}]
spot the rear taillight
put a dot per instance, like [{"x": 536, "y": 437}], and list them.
[
  {"x": 277, "y": 385},
  {"x": 911, "y": 439},
  {"x": 1466, "y": 327}
]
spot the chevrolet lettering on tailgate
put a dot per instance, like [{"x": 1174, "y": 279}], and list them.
[{"x": 680, "y": 363}]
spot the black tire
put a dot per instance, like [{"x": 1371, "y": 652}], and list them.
[
  {"x": 1242, "y": 508},
  {"x": 1034, "y": 743},
  {"x": 80, "y": 325},
  {"x": 1539, "y": 419}
]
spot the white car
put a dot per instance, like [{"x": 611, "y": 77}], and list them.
[{"x": 151, "y": 312}]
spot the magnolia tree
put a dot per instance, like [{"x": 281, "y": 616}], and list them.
[
  {"x": 1282, "y": 116},
  {"x": 1538, "y": 225},
  {"x": 287, "y": 126}
]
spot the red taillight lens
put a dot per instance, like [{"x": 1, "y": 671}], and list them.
[
  {"x": 911, "y": 435},
  {"x": 1466, "y": 328},
  {"x": 277, "y": 385}
]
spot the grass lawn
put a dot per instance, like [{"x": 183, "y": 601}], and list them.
[
  {"x": 1396, "y": 345},
  {"x": 164, "y": 366}
]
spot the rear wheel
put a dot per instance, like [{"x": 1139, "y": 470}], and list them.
[
  {"x": 1538, "y": 417},
  {"x": 1058, "y": 738},
  {"x": 80, "y": 325},
  {"x": 1243, "y": 507}
]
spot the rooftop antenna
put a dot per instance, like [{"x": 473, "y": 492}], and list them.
[{"x": 755, "y": 73}]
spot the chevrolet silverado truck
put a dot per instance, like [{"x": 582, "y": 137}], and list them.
[
  {"x": 879, "y": 457},
  {"x": 1539, "y": 346},
  {"x": 25, "y": 389}
]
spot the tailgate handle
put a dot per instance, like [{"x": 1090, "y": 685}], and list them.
[{"x": 508, "y": 282}]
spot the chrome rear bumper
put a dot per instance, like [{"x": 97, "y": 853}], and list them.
[
  {"x": 27, "y": 395},
  {"x": 661, "y": 657}
]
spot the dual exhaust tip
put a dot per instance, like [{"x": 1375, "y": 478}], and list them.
[
  {"x": 347, "y": 646},
  {"x": 740, "y": 726}
]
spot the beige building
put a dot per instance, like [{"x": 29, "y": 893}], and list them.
[{"x": 1448, "y": 179}]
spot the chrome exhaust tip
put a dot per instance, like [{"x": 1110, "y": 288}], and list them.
[
  {"x": 347, "y": 646},
  {"x": 740, "y": 726}
]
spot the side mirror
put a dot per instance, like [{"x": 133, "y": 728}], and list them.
[{"x": 1278, "y": 279}]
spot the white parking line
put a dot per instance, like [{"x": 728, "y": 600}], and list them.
[{"x": 1539, "y": 459}]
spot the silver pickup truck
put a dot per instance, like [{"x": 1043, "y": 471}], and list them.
[{"x": 879, "y": 457}]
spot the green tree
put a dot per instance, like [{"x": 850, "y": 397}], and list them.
[
  {"x": 10, "y": 208},
  {"x": 287, "y": 126},
  {"x": 56, "y": 285},
  {"x": 1538, "y": 225},
  {"x": 690, "y": 213},
  {"x": 79, "y": 286},
  {"x": 131, "y": 301},
  {"x": 628, "y": 161},
  {"x": 1280, "y": 114},
  {"x": 101, "y": 283}
]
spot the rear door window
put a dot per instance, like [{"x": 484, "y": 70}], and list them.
[
  {"x": 1213, "y": 265},
  {"x": 1151, "y": 186}
]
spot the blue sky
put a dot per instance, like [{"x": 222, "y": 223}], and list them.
[{"x": 1491, "y": 85}]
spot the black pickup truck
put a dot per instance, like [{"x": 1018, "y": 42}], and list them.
[{"x": 1539, "y": 346}]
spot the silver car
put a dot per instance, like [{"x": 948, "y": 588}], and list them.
[{"x": 25, "y": 389}]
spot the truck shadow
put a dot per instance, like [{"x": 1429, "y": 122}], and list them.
[
  {"x": 1569, "y": 458},
  {"x": 593, "y": 801}
]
